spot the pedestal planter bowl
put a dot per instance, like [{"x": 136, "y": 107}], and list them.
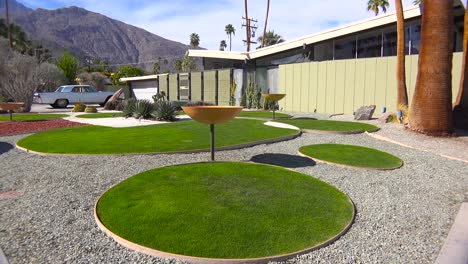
[
  {"x": 10, "y": 107},
  {"x": 273, "y": 98},
  {"x": 212, "y": 115}
]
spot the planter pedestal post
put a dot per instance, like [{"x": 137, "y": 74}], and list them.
[{"x": 212, "y": 143}]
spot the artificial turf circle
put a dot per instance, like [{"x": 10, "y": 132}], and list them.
[
  {"x": 354, "y": 156},
  {"x": 262, "y": 114},
  {"x": 162, "y": 138},
  {"x": 330, "y": 125},
  {"x": 225, "y": 210},
  {"x": 31, "y": 117}
]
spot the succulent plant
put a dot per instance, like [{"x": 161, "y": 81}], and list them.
[{"x": 164, "y": 110}]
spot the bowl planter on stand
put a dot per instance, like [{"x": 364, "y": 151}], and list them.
[
  {"x": 212, "y": 115},
  {"x": 10, "y": 107},
  {"x": 273, "y": 98}
]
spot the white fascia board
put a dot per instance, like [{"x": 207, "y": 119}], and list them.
[
  {"x": 217, "y": 54},
  {"x": 369, "y": 23},
  {"x": 139, "y": 78}
]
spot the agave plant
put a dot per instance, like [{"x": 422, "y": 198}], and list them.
[
  {"x": 129, "y": 107},
  {"x": 143, "y": 109},
  {"x": 164, "y": 110}
]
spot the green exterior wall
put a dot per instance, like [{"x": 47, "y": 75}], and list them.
[
  {"x": 342, "y": 86},
  {"x": 172, "y": 87},
  {"x": 224, "y": 77},
  {"x": 196, "y": 86}
]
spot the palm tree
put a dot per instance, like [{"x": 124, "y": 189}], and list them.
[
  {"x": 375, "y": 6},
  {"x": 271, "y": 38},
  {"x": 266, "y": 22},
  {"x": 194, "y": 40},
  {"x": 222, "y": 45},
  {"x": 230, "y": 30},
  {"x": 431, "y": 107}
]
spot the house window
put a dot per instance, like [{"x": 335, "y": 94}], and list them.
[
  {"x": 369, "y": 46},
  {"x": 345, "y": 48},
  {"x": 323, "y": 51}
]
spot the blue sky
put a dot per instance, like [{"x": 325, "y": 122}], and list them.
[{"x": 177, "y": 19}]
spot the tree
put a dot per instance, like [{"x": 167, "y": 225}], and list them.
[
  {"x": 50, "y": 77},
  {"x": 266, "y": 22},
  {"x": 178, "y": 65},
  {"x": 375, "y": 6},
  {"x": 194, "y": 40},
  {"x": 99, "y": 65},
  {"x": 126, "y": 71},
  {"x": 222, "y": 45},
  {"x": 230, "y": 30},
  {"x": 431, "y": 108},
  {"x": 69, "y": 65},
  {"x": 156, "y": 68},
  {"x": 95, "y": 79},
  {"x": 271, "y": 38}
]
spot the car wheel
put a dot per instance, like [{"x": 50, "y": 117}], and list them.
[
  {"x": 61, "y": 103},
  {"x": 53, "y": 105}
]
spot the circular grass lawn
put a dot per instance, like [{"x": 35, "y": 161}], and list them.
[
  {"x": 262, "y": 114},
  {"x": 162, "y": 138},
  {"x": 354, "y": 156},
  {"x": 31, "y": 117},
  {"x": 330, "y": 125},
  {"x": 225, "y": 210}
]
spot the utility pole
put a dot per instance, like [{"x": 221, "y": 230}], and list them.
[
  {"x": 10, "y": 41},
  {"x": 249, "y": 29}
]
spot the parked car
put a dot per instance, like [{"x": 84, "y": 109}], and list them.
[{"x": 72, "y": 94}]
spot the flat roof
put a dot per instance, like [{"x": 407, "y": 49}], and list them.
[
  {"x": 141, "y": 78},
  {"x": 373, "y": 22}
]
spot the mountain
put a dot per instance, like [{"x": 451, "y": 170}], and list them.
[
  {"x": 14, "y": 8},
  {"x": 91, "y": 35}
]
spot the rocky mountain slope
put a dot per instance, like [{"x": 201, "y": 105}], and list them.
[{"x": 91, "y": 35}]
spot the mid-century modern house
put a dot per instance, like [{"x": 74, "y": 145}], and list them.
[{"x": 334, "y": 71}]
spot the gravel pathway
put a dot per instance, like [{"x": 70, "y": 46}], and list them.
[{"x": 403, "y": 216}]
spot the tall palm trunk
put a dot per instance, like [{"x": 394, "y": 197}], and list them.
[
  {"x": 7, "y": 18},
  {"x": 247, "y": 26},
  {"x": 402, "y": 95},
  {"x": 431, "y": 107},
  {"x": 230, "y": 41},
  {"x": 266, "y": 22},
  {"x": 460, "y": 110}
]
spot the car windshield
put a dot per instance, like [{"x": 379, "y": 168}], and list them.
[
  {"x": 60, "y": 89},
  {"x": 90, "y": 89}
]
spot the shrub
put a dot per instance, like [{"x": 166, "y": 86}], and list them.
[
  {"x": 143, "y": 109},
  {"x": 197, "y": 103},
  {"x": 164, "y": 110},
  {"x": 161, "y": 96},
  {"x": 129, "y": 107},
  {"x": 79, "y": 107},
  {"x": 90, "y": 109}
]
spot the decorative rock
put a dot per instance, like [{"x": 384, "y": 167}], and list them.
[
  {"x": 385, "y": 117},
  {"x": 115, "y": 96},
  {"x": 364, "y": 112}
]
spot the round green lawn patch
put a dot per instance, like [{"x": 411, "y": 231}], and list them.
[
  {"x": 225, "y": 210},
  {"x": 170, "y": 137},
  {"x": 330, "y": 125},
  {"x": 354, "y": 156},
  {"x": 31, "y": 117},
  {"x": 262, "y": 114},
  {"x": 101, "y": 115}
]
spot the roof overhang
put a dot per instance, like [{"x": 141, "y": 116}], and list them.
[
  {"x": 140, "y": 78},
  {"x": 229, "y": 55}
]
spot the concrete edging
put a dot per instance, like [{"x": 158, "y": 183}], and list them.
[
  {"x": 201, "y": 260},
  {"x": 454, "y": 250}
]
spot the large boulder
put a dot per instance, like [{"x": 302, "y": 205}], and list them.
[
  {"x": 364, "y": 112},
  {"x": 385, "y": 117},
  {"x": 114, "y": 98}
]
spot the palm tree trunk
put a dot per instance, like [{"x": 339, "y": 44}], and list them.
[
  {"x": 431, "y": 107},
  {"x": 460, "y": 110},
  {"x": 7, "y": 18},
  {"x": 247, "y": 26},
  {"x": 402, "y": 95},
  {"x": 266, "y": 22},
  {"x": 230, "y": 41}
]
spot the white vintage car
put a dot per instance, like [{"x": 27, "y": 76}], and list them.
[{"x": 72, "y": 94}]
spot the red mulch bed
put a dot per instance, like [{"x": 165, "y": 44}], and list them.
[{"x": 24, "y": 127}]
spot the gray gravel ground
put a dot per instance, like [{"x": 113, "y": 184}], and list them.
[{"x": 403, "y": 216}]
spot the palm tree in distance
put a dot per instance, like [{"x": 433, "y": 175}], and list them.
[
  {"x": 194, "y": 40},
  {"x": 266, "y": 22},
  {"x": 375, "y": 6},
  {"x": 431, "y": 107},
  {"x": 230, "y": 30},
  {"x": 222, "y": 45},
  {"x": 271, "y": 38},
  {"x": 7, "y": 22}
]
